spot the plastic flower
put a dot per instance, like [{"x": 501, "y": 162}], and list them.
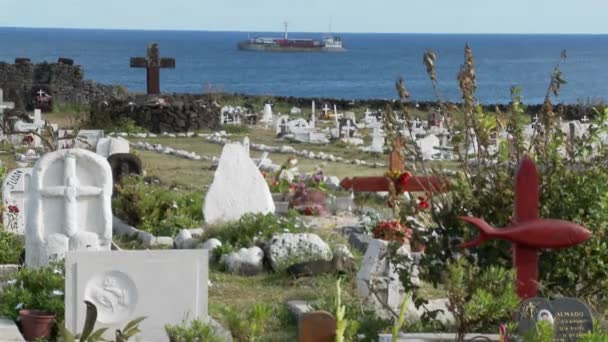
[
  {"x": 422, "y": 203},
  {"x": 56, "y": 293},
  {"x": 13, "y": 209},
  {"x": 404, "y": 178}
]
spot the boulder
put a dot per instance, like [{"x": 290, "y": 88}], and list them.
[
  {"x": 211, "y": 244},
  {"x": 289, "y": 249},
  {"x": 247, "y": 261},
  {"x": 238, "y": 188}
]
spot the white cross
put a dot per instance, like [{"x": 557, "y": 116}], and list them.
[
  {"x": 325, "y": 109},
  {"x": 41, "y": 93},
  {"x": 584, "y": 119},
  {"x": 70, "y": 192},
  {"x": 5, "y": 105}
]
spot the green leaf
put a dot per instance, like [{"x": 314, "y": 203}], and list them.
[
  {"x": 96, "y": 336},
  {"x": 90, "y": 319},
  {"x": 133, "y": 324}
]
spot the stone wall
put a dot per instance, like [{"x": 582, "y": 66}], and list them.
[
  {"x": 63, "y": 80},
  {"x": 158, "y": 114}
]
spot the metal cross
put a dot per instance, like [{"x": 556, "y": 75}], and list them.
[{"x": 71, "y": 191}]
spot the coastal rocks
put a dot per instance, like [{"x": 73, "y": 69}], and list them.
[
  {"x": 246, "y": 261},
  {"x": 238, "y": 188},
  {"x": 211, "y": 244},
  {"x": 290, "y": 249}
]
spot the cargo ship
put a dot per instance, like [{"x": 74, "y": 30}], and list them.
[{"x": 326, "y": 44}]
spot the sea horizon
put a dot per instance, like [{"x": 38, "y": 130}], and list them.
[{"x": 368, "y": 70}]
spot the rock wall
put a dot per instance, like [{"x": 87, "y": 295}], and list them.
[
  {"x": 62, "y": 80},
  {"x": 158, "y": 114}
]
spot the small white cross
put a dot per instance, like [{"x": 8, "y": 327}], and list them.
[{"x": 41, "y": 93}]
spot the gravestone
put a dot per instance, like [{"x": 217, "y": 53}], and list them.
[
  {"x": 123, "y": 164},
  {"x": 238, "y": 188},
  {"x": 69, "y": 206},
  {"x": 569, "y": 317},
  {"x": 317, "y": 326},
  {"x": 109, "y": 146},
  {"x": 267, "y": 114},
  {"x": 281, "y": 127},
  {"x": 14, "y": 193},
  {"x": 165, "y": 286},
  {"x": 346, "y": 128},
  {"x": 87, "y": 138},
  {"x": 247, "y": 145},
  {"x": 153, "y": 63}
]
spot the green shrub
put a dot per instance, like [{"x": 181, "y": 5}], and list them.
[
  {"x": 251, "y": 230},
  {"x": 235, "y": 129},
  {"x": 156, "y": 209},
  {"x": 250, "y": 325},
  {"x": 35, "y": 289},
  {"x": 197, "y": 331},
  {"x": 11, "y": 247}
]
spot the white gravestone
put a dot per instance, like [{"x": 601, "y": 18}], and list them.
[
  {"x": 5, "y": 105},
  {"x": 247, "y": 145},
  {"x": 69, "y": 206},
  {"x": 87, "y": 138},
  {"x": 109, "y": 146},
  {"x": 14, "y": 192},
  {"x": 165, "y": 286},
  {"x": 238, "y": 188},
  {"x": 267, "y": 114}
]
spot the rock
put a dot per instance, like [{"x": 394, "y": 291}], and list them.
[
  {"x": 333, "y": 183},
  {"x": 164, "y": 241},
  {"x": 238, "y": 188},
  {"x": 196, "y": 232},
  {"x": 289, "y": 249},
  {"x": 181, "y": 238},
  {"x": 299, "y": 307},
  {"x": 121, "y": 228},
  {"x": 247, "y": 261},
  {"x": 339, "y": 264},
  {"x": 342, "y": 250},
  {"x": 211, "y": 244}
]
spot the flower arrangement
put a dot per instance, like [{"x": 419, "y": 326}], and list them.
[
  {"x": 392, "y": 230},
  {"x": 12, "y": 211}
]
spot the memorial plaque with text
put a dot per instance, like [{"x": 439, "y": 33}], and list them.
[{"x": 570, "y": 317}]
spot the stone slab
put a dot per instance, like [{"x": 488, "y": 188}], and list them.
[
  {"x": 167, "y": 286},
  {"x": 9, "y": 331},
  {"x": 14, "y": 193}
]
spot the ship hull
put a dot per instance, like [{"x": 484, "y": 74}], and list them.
[{"x": 247, "y": 46}]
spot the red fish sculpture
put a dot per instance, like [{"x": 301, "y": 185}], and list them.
[{"x": 528, "y": 233}]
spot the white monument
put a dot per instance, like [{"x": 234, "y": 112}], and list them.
[
  {"x": 87, "y": 138},
  {"x": 165, "y": 286},
  {"x": 267, "y": 115},
  {"x": 109, "y": 146},
  {"x": 69, "y": 206},
  {"x": 14, "y": 193},
  {"x": 5, "y": 105},
  {"x": 238, "y": 188}
]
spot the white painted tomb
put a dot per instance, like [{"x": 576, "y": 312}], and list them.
[
  {"x": 69, "y": 206},
  {"x": 166, "y": 286},
  {"x": 238, "y": 188},
  {"x": 14, "y": 193},
  {"x": 108, "y": 146}
]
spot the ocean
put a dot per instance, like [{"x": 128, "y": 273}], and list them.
[{"x": 367, "y": 70}]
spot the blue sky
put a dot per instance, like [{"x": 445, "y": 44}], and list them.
[{"x": 416, "y": 16}]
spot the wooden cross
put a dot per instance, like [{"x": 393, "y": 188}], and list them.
[
  {"x": 381, "y": 183},
  {"x": 153, "y": 63},
  {"x": 528, "y": 232}
]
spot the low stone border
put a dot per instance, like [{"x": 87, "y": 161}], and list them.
[{"x": 147, "y": 239}]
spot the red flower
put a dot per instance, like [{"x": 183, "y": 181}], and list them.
[
  {"x": 28, "y": 139},
  {"x": 392, "y": 231},
  {"x": 423, "y": 204},
  {"x": 404, "y": 179},
  {"x": 13, "y": 209}
]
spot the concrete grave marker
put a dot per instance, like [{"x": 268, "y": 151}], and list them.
[
  {"x": 69, "y": 206},
  {"x": 109, "y": 146},
  {"x": 87, "y": 138},
  {"x": 267, "y": 114},
  {"x": 238, "y": 188},
  {"x": 317, "y": 326},
  {"x": 165, "y": 286},
  {"x": 14, "y": 193},
  {"x": 123, "y": 164},
  {"x": 5, "y": 105}
]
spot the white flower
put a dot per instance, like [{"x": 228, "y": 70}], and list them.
[
  {"x": 19, "y": 306},
  {"x": 56, "y": 293},
  {"x": 174, "y": 205},
  {"x": 57, "y": 271},
  {"x": 11, "y": 282},
  {"x": 286, "y": 230},
  {"x": 209, "y": 283}
]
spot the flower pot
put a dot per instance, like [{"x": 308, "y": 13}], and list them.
[{"x": 36, "y": 324}]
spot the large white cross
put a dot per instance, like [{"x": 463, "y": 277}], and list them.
[
  {"x": 71, "y": 191},
  {"x": 5, "y": 105}
]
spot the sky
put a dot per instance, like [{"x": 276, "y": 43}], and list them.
[{"x": 398, "y": 16}]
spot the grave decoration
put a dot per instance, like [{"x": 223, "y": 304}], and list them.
[
  {"x": 528, "y": 232},
  {"x": 569, "y": 317},
  {"x": 42, "y": 98},
  {"x": 69, "y": 206},
  {"x": 153, "y": 63},
  {"x": 5, "y": 104},
  {"x": 14, "y": 193}
]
